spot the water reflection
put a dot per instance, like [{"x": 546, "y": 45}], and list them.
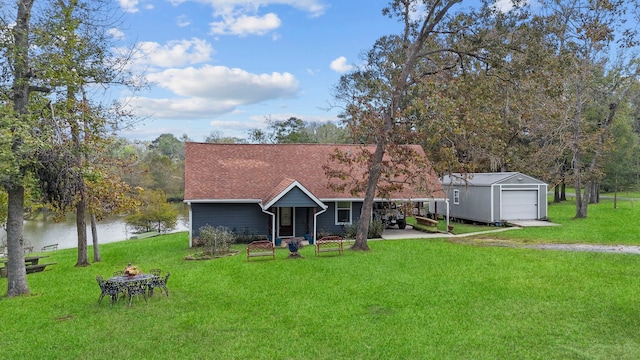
[{"x": 45, "y": 232}]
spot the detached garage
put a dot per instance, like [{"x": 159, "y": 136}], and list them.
[{"x": 495, "y": 197}]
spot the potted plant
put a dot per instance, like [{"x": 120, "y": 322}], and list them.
[
  {"x": 131, "y": 270},
  {"x": 294, "y": 245}
]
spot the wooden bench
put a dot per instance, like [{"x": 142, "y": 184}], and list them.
[
  {"x": 426, "y": 221},
  {"x": 50, "y": 247},
  {"x": 37, "y": 268},
  {"x": 260, "y": 248},
  {"x": 329, "y": 243},
  {"x": 29, "y": 268}
]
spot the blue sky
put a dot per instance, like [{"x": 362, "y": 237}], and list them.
[{"x": 227, "y": 65}]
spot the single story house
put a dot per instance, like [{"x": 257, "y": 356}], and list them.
[
  {"x": 282, "y": 190},
  {"x": 495, "y": 197}
]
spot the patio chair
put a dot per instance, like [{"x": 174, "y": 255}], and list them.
[
  {"x": 108, "y": 288},
  {"x": 155, "y": 272},
  {"x": 159, "y": 282},
  {"x": 136, "y": 288}
]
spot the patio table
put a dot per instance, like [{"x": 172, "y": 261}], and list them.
[
  {"x": 123, "y": 279},
  {"x": 134, "y": 285}
]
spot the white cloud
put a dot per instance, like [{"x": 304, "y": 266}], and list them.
[
  {"x": 180, "y": 108},
  {"x": 340, "y": 65},
  {"x": 504, "y": 5},
  {"x": 130, "y": 6},
  {"x": 176, "y": 53},
  {"x": 220, "y": 82},
  {"x": 133, "y": 6},
  {"x": 183, "y": 21},
  {"x": 237, "y": 126},
  {"x": 212, "y": 90},
  {"x": 243, "y": 17},
  {"x": 246, "y": 25},
  {"x": 507, "y": 5},
  {"x": 313, "y": 7},
  {"x": 116, "y": 33}
]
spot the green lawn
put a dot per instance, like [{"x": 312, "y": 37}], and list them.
[
  {"x": 405, "y": 299},
  {"x": 603, "y": 225}
]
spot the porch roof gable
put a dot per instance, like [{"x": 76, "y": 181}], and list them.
[{"x": 285, "y": 187}]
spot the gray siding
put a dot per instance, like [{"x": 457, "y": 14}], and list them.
[
  {"x": 301, "y": 221},
  {"x": 295, "y": 198},
  {"x": 521, "y": 179},
  {"x": 496, "y": 207},
  {"x": 236, "y": 217},
  {"x": 474, "y": 203},
  {"x": 250, "y": 218},
  {"x": 327, "y": 220},
  {"x": 481, "y": 204}
]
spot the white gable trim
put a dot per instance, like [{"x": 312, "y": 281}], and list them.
[{"x": 295, "y": 183}]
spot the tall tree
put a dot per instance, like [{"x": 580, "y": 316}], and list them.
[
  {"x": 292, "y": 130},
  {"x": 386, "y": 101},
  {"x": 75, "y": 52},
  {"x": 16, "y": 135},
  {"x": 620, "y": 167},
  {"x": 588, "y": 34}
]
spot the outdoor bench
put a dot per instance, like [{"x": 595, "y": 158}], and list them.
[
  {"x": 260, "y": 248},
  {"x": 37, "y": 267},
  {"x": 426, "y": 221},
  {"x": 50, "y": 247},
  {"x": 329, "y": 243}
]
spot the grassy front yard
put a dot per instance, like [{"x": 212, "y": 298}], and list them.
[{"x": 405, "y": 299}]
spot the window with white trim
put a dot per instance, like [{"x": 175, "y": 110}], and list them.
[
  {"x": 456, "y": 196},
  {"x": 343, "y": 212}
]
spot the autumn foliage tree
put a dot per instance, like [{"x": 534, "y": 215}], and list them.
[
  {"x": 393, "y": 98},
  {"x": 75, "y": 53}
]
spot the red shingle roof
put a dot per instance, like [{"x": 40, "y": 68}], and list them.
[{"x": 237, "y": 172}]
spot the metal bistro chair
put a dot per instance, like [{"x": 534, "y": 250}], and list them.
[
  {"x": 136, "y": 288},
  {"x": 108, "y": 288},
  {"x": 155, "y": 272},
  {"x": 159, "y": 282}
]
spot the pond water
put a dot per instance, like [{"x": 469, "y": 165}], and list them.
[{"x": 46, "y": 232}]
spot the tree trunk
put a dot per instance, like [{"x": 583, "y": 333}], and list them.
[
  {"x": 16, "y": 272},
  {"x": 556, "y": 194},
  {"x": 595, "y": 193},
  {"x": 581, "y": 205},
  {"x": 576, "y": 164},
  {"x": 615, "y": 191},
  {"x": 94, "y": 238},
  {"x": 81, "y": 224},
  {"x": 563, "y": 191},
  {"x": 367, "y": 207}
]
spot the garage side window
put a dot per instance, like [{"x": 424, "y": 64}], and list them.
[
  {"x": 343, "y": 212},
  {"x": 456, "y": 196}
]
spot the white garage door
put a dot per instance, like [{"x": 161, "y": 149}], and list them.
[{"x": 519, "y": 205}]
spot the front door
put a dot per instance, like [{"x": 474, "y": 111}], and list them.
[{"x": 285, "y": 222}]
